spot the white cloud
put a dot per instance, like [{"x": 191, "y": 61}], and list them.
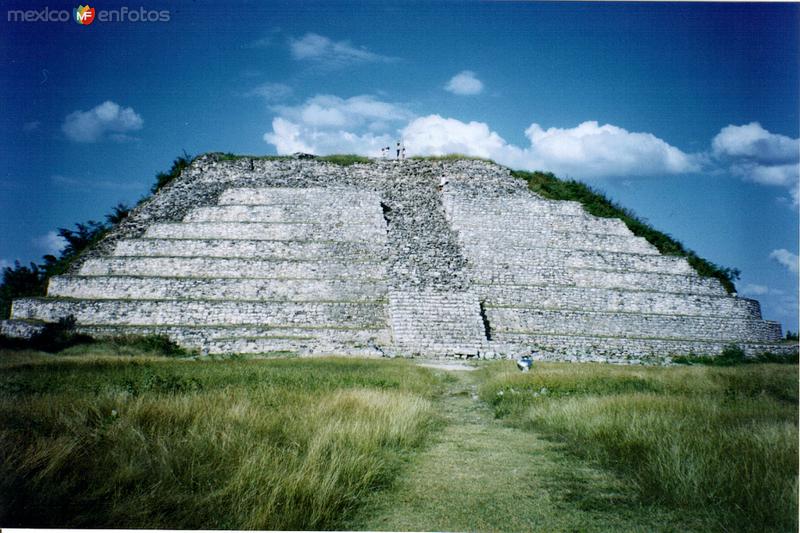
[
  {"x": 754, "y": 143},
  {"x": 786, "y": 258},
  {"x": 464, "y": 83},
  {"x": 755, "y": 154},
  {"x": 588, "y": 150},
  {"x": 330, "y": 124},
  {"x": 50, "y": 243},
  {"x": 435, "y": 135},
  {"x": 4, "y": 263},
  {"x": 327, "y": 111},
  {"x": 321, "y": 49},
  {"x": 363, "y": 124},
  {"x": 592, "y": 150},
  {"x": 107, "y": 120},
  {"x": 271, "y": 92}
]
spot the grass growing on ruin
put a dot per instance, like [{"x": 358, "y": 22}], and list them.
[
  {"x": 450, "y": 157},
  {"x": 345, "y": 160},
  {"x": 134, "y": 442},
  {"x": 721, "y": 439}
]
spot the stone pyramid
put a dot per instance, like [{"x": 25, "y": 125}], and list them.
[{"x": 431, "y": 258}]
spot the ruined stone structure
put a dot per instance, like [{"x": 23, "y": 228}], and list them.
[{"x": 450, "y": 258}]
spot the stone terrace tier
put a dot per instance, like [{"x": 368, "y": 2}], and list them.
[
  {"x": 268, "y": 270},
  {"x": 562, "y": 283}
]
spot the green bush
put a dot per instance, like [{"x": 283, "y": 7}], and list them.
[
  {"x": 178, "y": 166},
  {"x": 345, "y": 160}
]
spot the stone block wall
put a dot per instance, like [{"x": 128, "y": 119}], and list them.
[{"x": 573, "y": 285}]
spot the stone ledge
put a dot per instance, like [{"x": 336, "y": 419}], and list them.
[
  {"x": 234, "y": 289},
  {"x": 211, "y": 313}
]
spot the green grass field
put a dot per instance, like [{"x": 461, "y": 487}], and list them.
[
  {"x": 723, "y": 440},
  {"x": 108, "y": 436}
]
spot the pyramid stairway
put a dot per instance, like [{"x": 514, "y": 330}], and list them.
[{"x": 265, "y": 270}]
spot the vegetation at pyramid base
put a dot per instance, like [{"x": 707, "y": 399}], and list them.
[
  {"x": 549, "y": 186},
  {"x": 21, "y": 281},
  {"x": 719, "y": 440}
]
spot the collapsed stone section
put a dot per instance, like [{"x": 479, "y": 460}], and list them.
[{"x": 389, "y": 258}]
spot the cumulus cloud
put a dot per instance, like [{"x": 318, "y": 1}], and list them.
[
  {"x": 50, "y": 243},
  {"x": 363, "y": 124},
  {"x": 753, "y": 142},
  {"x": 755, "y": 154},
  {"x": 328, "y": 124},
  {"x": 327, "y": 111},
  {"x": 435, "y": 135},
  {"x": 464, "y": 83},
  {"x": 587, "y": 150},
  {"x": 105, "y": 121},
  {"x": 786, "y": 258},
  {"x": 325, "y": 51}
]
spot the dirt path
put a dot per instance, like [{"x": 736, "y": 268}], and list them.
[{"x": 480, "y": 475}]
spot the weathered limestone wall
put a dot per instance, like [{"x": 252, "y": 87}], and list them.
[
  {"x": 391, "y": 258},
  {"x": 570, "y": 284}
]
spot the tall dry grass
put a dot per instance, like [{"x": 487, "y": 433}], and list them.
[
  {"x": 247, "y": 445},
  {"x": 724, "y": 440}
]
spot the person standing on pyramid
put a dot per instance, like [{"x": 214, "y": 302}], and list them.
[{"x": 398, "y": 149}]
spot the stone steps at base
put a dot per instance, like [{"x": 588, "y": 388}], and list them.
[
  {"x": 437, "y": 349},
  {"x": 301, "y": 347},
  {"x": 231, "y": 289},
  {"x": 286, "y": 250},
  {"x": 266, "y": 231},
  {"x": 618, "y": 301},
  {"x": 297, "y": 213},
  {"x": 201, "y": 312},
  {"x": 20, "y": 329},
  {"x": 618, "y": 349},
  {"x": 597, "y": 278},
  {"x": 197, "y": 336},
  {"x": 217, "y": 267},
  {"x": 527, "y": 256},
  {"x": 630, "y": 325}
]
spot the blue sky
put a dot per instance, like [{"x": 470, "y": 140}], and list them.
[{"x": 686, "y": 113}]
